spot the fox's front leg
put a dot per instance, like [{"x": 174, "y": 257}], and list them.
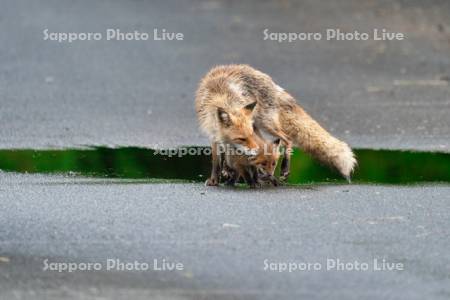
[
  {"x": 216, "y": 162},
  {"x": 254, "y": 173},
  {"x": 251, "y": 179},
  {"x": 286, "y": 162},
  {"x": 233, "y": 176}
]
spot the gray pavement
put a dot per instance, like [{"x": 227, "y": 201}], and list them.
[
  {"x": 222, "y": 237},
  {"x": 372, "y": 94}
]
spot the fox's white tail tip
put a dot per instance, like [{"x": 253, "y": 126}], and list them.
[{"x": 346, "y": 162}]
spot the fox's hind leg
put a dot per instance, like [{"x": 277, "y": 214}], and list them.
[{"x": 286, "y": 162}]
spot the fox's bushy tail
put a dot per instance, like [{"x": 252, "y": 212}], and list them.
[{"x": 307, "y": 134}]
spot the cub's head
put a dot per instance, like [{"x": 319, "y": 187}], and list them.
[
  {"x": 236, "y": 127},
  {"x": 267, "y": 158}
]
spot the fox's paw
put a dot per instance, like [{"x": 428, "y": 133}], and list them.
[
  {"x": 274, "y": 181},
  {"x": 212, "y": 182},
  {"x": 255, "y": 185},
  {"x": 230, "y": 182},
  {"x": 227, "y": 174},
  {"x": 284, "y": 176}
]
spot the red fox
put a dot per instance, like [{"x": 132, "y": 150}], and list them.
[
  {"x": 252, "y": 168},
  {"x": 234, "y": 101}
]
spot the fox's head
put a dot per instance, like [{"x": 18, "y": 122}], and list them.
[
  {"x": 236, "y": 127},
  {"x": 266, "y": 159}
]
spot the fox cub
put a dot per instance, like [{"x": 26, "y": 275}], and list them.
[{"x": 253, "y": 169}]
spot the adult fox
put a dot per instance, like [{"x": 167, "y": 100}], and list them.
[{"x": 233, "y": 101}]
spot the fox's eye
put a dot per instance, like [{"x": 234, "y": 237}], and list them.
[
  {"x": 273, "y": 164},
  {"x": 241, "y": 140}
]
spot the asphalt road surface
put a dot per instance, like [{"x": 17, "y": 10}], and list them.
[
  {"x": 377, "y": 94},
  {"x": 224, "y": 238},
  {"x": 373, "y": 94}
]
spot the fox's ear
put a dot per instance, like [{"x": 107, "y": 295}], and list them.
[
  {"x": 224, "y": 117},
  {"x": 276, "y": 142},
  {"x": 249, "y": 107}
]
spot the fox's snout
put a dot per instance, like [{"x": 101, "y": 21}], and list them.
[
  {"x": 248, "y": 151},
  {"x": 253, "y": 147}
]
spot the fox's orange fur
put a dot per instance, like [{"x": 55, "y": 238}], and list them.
[
  {"x": 226, "y": 114},
  {"x": 253, "y": 168}
]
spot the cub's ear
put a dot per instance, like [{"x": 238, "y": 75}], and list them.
[
  {"x": 276, "y": 142},
  {"x": 249, "y": 107},
  {"x": 224, "y": 117}
]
